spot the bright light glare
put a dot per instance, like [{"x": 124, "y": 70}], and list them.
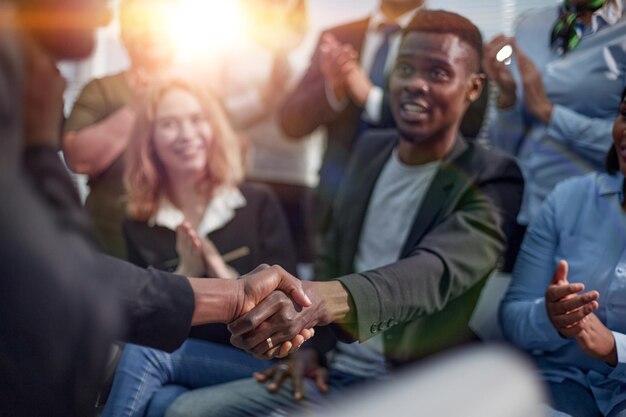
[
  {"x": 205, "y": 27},
  {"x": 504, "y": 54}
]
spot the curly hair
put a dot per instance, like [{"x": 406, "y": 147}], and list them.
[{"x": 145, "y": 176}]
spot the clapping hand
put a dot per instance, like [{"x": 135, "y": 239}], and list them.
[
  {"x": 190, "y": 254},
  {"x": 336, "y": 62},
  {"x": 566, "y": 308},
  {"x": 596, "y": 340},
  {"x": 572, "y": 315},
  {"x": 498, "y": 71},
  {"x": 535, "y": 99}
]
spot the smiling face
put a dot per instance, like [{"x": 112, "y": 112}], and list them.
[
  {"x": 431, "y": 86},
  {"x": 182, "y": 134},
  {"x": 619, "y": 136}
]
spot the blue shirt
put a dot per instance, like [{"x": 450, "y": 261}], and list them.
[
  {"x": 581, "y": 221},
  {"x": 585, "y": 86}
]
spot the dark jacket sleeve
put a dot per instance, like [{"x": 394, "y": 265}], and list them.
[
  {"x": 157, "y": 307},
  {"x": 451, "y": 258}
]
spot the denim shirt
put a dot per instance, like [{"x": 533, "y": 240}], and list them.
[
  {"x": 585, "y": 87},
  {"x": 581, "y": 221}
]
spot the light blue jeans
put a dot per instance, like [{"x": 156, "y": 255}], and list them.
[
  {"x": 147, "y": 380},
  {"x": 248, "y": 398}
]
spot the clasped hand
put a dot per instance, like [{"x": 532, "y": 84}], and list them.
[{"x": 279, "y": 318}]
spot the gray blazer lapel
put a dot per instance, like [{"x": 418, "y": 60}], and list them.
[{"x": 436, "y": 197}]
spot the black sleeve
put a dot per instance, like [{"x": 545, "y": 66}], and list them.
[{"x": 157, "y": 306}]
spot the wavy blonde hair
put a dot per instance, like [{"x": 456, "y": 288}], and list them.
[{"x": 145, "y": 176}]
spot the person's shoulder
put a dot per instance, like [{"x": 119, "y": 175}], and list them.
[
  {"x": 374, "y": 141},
  {"x": 359, "y": 25},
  {"x": 491, "y": 161},
  {"x": 256, "y": 193},
  {"x": 107, "y": 81},
  {"x": 588, "y": 184},
  {"x": 539, "y": 15},
  {"x": 133, "y": 227}
]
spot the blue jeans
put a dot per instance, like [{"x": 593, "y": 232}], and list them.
[
  {"x": 248, "y": 398},
  {"x": 147, "y": 380}
]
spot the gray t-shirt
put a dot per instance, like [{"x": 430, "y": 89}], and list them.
[{"x": 397, "y": 196}]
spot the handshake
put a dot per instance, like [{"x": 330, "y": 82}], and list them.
[{"x": 269, "y": 311}]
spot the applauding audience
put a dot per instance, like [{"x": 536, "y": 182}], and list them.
[{"x": 566, "y": 303}]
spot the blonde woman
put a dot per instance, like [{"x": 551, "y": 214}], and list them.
[{"x": 189, "y": 212}]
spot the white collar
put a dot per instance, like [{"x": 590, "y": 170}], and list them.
[
  {"x": 220, "y": 211},
  {"x": 377, "y": 18}
]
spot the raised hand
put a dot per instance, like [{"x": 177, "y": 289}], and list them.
[
  {"x": 190, "y": 253},
  {"x": 336, "y": 61},
  {"x": 358, "y": 84},
  {"x": 596, "y": 340},
  {"x": 566, "y": 308},
  {"x": 535, "y": 99},
  {"x": 301, "y": 365},
  {"x": 498, "y": 71}
]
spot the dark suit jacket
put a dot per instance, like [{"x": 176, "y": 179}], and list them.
[
  {"x": 307, "y": 108},
  {"x": 424, "y": 300}
]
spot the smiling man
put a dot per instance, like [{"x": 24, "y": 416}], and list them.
[{"x": 420, "y": 222}]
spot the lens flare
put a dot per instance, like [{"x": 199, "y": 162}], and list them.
[{"x": 206, "y": 27}]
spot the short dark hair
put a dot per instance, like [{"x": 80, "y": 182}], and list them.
[
  {"x": 444, "y": 22},
  {"x": 612, "y": 161}
]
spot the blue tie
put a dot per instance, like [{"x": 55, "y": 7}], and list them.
[{"x": 377, "y": 72}]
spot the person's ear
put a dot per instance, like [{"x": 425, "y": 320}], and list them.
[{"x": 475, "y": 86}]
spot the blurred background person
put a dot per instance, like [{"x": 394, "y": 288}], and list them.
[
  {"x": 577, "y": 338},
  {"x": 98, "y": 129},
  {"x": 252, "y": 81},
  {"x": 557, "y": 98},
  {"x": 186, "y": 209}
]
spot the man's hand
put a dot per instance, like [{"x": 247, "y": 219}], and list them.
[
  {"x": 596, "y": 340},
  {"x": 224, "y": 300},
  {"x": 278, "y": 318},
  {"x": 535, "y": 98},
  {"x": 336, "y": 61},
  {"x": 262, "y": 281},
  {"x": 43, "y": 97},
  {"x": 304, "y": 363},
  {"x": 498, "y": 72},
  {"x": 566, "y": 308},
  {"x": 358, "y": 84}
]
